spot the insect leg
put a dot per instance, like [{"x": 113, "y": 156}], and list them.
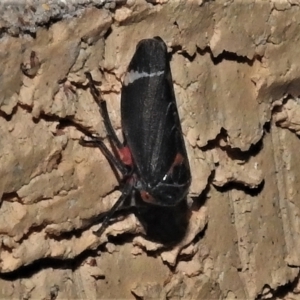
[
  {"x": 125, "y": 193},
  {"x": 103, "y": 110},
  {"x": 97, "y": 142}
]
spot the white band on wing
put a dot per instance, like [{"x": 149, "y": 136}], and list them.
[{"x": 134, "y": 75}]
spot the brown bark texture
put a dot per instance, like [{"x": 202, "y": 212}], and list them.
[{"x": 236, "y": 73}]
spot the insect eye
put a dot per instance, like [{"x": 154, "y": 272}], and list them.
[{"x": 147, "y": 197}]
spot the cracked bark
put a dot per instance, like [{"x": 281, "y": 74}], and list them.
[{"x": 236, "y": 76}]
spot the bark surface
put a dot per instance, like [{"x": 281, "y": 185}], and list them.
[{"x": 236, "y": 73}]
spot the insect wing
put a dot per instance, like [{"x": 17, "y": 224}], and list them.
[{"x": 149, "y": 114}]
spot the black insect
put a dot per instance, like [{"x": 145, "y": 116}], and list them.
[{"x": 152, "y": 159}]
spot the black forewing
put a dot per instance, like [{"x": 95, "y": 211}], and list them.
[{"x": 149, "y": 115}]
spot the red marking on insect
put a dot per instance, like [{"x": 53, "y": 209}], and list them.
[
  {"x": 179, "y": 158},
  {"x": 147, "y": 197},
  {"x": 125, "y": 156}
]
